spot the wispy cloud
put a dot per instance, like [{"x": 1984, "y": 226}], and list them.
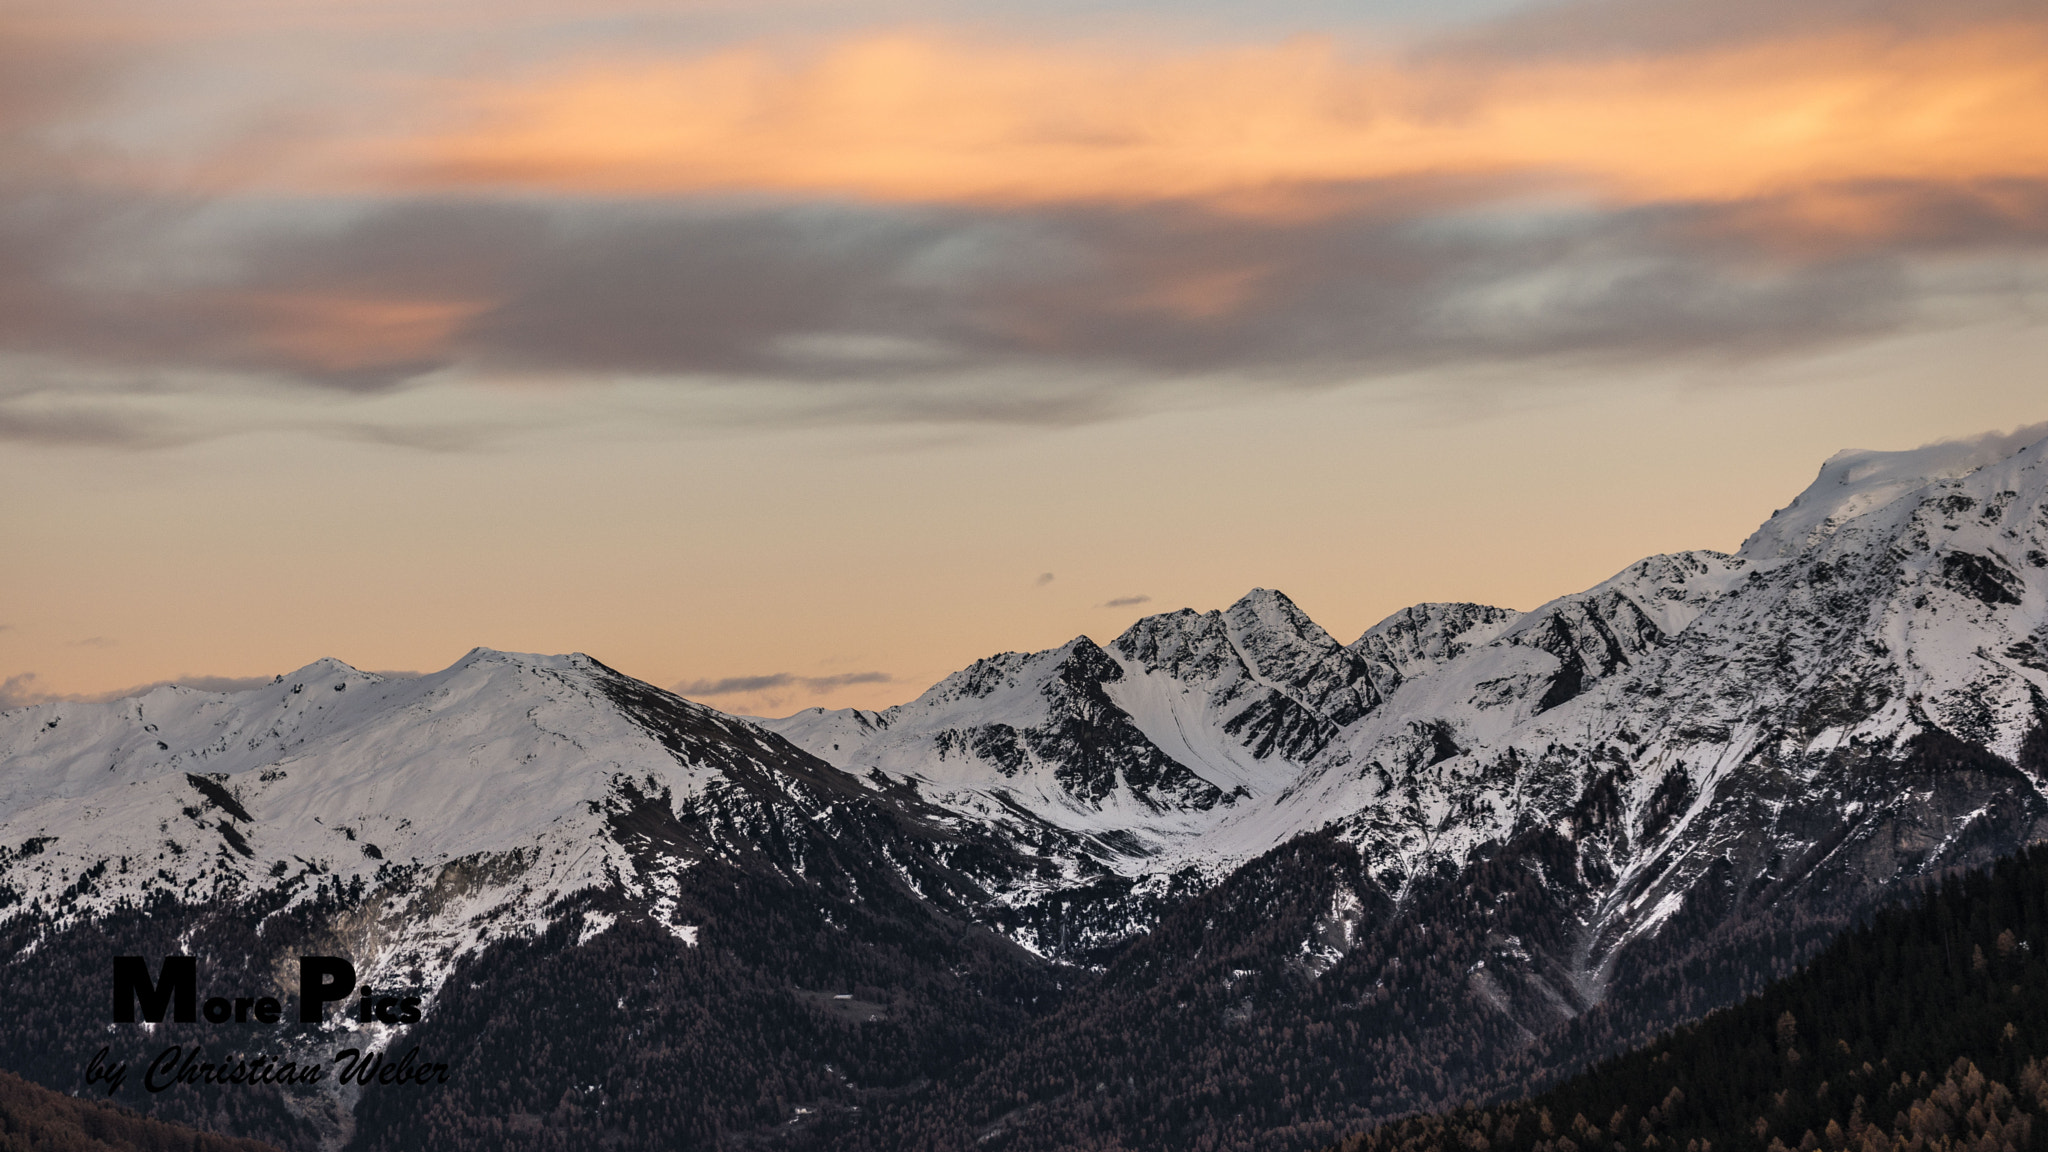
[
  {"x": 73, "y": 424},
  {"x": 1582, "y": 30},
  {"x": 21, "y": 690},
  {"x": 774, "y": 681},
  {"x": 223, "y": 684},
  {"x": 927, "y": 118},
  {"x": 928, "y": 227},
  {"x": 1050, "y": 316},
  {"x": 1126, "y": 601}
]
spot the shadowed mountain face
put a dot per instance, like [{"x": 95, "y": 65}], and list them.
[
  {"x": 1221, "y": 880},
  {"x": 1903, "y": 1034}
]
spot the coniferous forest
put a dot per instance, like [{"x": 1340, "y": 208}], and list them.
[
  {"x": 35, "y": 1119},
  {"x": 1924, "y": 1030},
  {"x": 1192, "y": 1037}
]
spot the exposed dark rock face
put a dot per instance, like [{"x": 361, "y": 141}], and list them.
[
  {"x": 1094, "y": 745},
  {"x": 1983, "y": 577},
  {"x": 1223, "y": 882}
]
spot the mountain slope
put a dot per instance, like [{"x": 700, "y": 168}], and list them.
[
  {"x": 1274, "y": 885},
  {"x": 1707, "y": 765},
  {"x": 1925, "y": 1028},
  {"x": 431, "y": 828},
  {"x": 1181, "y": 725},
  {"x": 35, "y": 1119}
]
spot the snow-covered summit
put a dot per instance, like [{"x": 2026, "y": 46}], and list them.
[
  {"x": 1418, "y": 640},
  {"x": 1859, "y": 695},
  {"x": 1903, "y": 594},
  {"x": 476, "y": 798},
  {"x": 328, "y": 763},
  {"x": 1857, "y": 481}
]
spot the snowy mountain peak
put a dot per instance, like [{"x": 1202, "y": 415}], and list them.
[
  {"x": 1662, "y": 774},
  {"x": 1419, "y": 639},
  {"x": 1503, "y": 818},
  {"x": 1855, "y": 482},
  {"x": 554, "y": 662},
  {"x": 1657, "y": 597},
  {"x": 1005, "y": 673},
  {"x": 322, "y": 668},
  {"x": 1268, "y": 610}
]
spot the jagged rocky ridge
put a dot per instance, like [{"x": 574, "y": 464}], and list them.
[{"x": 1683, "y": 777}]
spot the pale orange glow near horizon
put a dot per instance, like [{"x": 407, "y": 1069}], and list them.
[
  {"x": 791, "y": 344},
  {"x": 699, "y": 554},
  {"x": 922, "y": 117}
]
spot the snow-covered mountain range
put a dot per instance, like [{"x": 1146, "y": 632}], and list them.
[
  {"x": 1892, "y": 602},
  {"x": 1857, "y": 697}
]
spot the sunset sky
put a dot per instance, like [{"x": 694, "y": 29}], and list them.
[{"x": 797, "y": 352}]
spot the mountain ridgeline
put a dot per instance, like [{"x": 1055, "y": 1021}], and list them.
[{"x": 1223, "y": 881}]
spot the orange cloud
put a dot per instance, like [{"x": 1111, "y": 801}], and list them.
[
  {"x": 924, "y": 118},
  {"x": 339, "y": 333}
]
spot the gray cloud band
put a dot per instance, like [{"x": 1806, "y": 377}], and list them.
[
  {"x": 735, "y": 685},
  {"x": 1023, "y": 316},
  {"x": 908, "y": 297},
  {"x": 22, "y": 690}
]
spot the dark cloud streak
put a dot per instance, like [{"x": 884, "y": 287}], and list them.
[
  {"x": 1044, "y": 315},
  {"x": 1172, "y": 290},
  {"x": 908, "y": 303},
  {"x": 1025, "y": 315},
  {"x": 816, "y": 685},
  {"x": 20, "y": 691}
]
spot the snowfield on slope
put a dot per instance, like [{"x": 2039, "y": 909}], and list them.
[{"x": 1695, "y": 708}]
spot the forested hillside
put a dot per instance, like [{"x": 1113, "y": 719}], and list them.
[
  {"x": 35, "y": 1119},
  {"x": 1925, "y": 1030}
]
